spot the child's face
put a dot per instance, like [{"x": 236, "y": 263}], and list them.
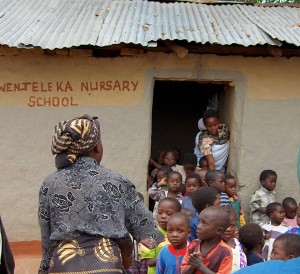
[
  {"x": 278, "y": 252},
  {"x": 230, "y": 231},
  {"x": 164, "y": 211},
  {"x": 269, "y": 183},
  {"x": 230, "y": 187},
  {"x": 174, "y": 182},
  {"x": 207, "y": 228},
  {"x": 178, "y": 231},
  {"x": 219, "y": 183},
  {"x": 191, "y": 185},
  {"x": 188, "y": 168},
  {"x": 169, "y": 159},
  {"x": 212, "y": 125},
  {"x": 278, "y": 215},
  {"x": 290, "y": 211}
]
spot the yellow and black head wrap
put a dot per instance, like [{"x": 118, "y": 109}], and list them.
[{"x": 73, "y": 138}]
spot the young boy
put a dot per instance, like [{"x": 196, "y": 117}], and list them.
[
  {"x": 166, "y": 207},
  {"x": 215, "y": 178},
  {"x": 290, "y": 209},
  {"x": 170, "y": 257},
  {"x": 209, "y": 254},
  {"x": 262, "y": 197},
  {"x": 202, "y": 198},
  {"x": 230, "y": 190},
  {"x": 192, "y": 183},
  {"x": 274, "y": 229},
  {"x": 252, "y": 238},
  {"x": 285, "y": 247}
]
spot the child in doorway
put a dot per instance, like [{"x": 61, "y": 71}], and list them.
[
  {"x": 169, "y": 160},
  {"x": 203, "y": 163},
  {"x": 252, "y": 239},
  {"x": 202, "y": 198},
  {"x": 230, "y": 190},
  {"x": 192, "y": 183},
  {"x": 170, "y": 257},
  {"x": 189, "y": 165},
  {"x": 208, "y": 253},
  {"x": 290, "y": 209},
  {"x": 215, "y": 178},
  {"x": 286, "y": 247},
  {"x": 239, "y": 259},
  {"x": 262, "y": 197},
  {"x": 166, "y": 207},
  {"x": 174, "y": 183},
  {"x": 274, "y": 229}
]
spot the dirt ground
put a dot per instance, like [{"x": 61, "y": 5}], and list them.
[{"x": 27, "y": 256}]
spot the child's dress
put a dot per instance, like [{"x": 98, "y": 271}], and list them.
[
  {"x": 274, "y": 232},
  {"x": 290, "y": 222},
  {"x": 239, "y": 259}
]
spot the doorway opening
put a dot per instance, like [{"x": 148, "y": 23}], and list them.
[{"x": 177, "y": 108}]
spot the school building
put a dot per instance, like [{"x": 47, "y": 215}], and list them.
[{"x": 148, "y": 70}]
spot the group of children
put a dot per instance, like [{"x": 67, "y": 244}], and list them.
[{"x": 204, "y": 225}]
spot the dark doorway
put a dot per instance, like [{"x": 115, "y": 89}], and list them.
[{"x": 177, "y": 107}]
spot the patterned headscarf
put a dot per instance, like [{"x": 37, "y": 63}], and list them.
[{"x": 73, "y": 138}]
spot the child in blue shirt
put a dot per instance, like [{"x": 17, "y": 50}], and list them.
[{"x": 170, "y": 257}]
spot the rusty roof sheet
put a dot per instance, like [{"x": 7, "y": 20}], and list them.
[{"x": 52, "y": 24}]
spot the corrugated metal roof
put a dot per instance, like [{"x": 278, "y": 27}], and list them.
[{"x": 51, "y": 24}]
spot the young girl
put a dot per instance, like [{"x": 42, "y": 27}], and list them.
[
  {"x": 239, "y": 259},
  {"x": 230, "y": 190},
  {"x": 174, "y": 184},
  {"x": 273, "y": 229},
  {"x": 166, "y": 207}
]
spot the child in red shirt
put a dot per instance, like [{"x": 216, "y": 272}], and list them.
[{"x": 208, "y": 253}]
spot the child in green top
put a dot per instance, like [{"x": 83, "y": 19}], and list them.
[{"x": 166, "y": 207}]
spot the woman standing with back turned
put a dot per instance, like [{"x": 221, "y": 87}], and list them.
[{"x": 86, "y": 211}]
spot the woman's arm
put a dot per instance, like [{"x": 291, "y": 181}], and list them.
[{"x": 210, "y": 161}]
